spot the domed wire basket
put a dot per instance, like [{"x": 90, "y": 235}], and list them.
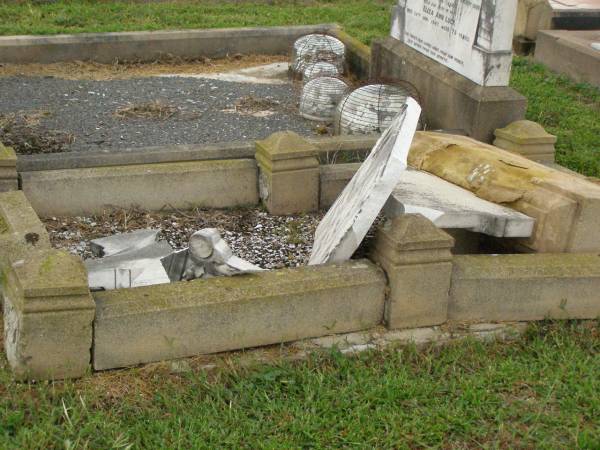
[
  {"x": 320, "y": 98},
  {"x": 320, "y": 69},
  {"x": 372, "y": 107},
  {"x": 313, "y": 48}
]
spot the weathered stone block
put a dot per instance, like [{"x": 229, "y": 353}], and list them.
[
  {"x": 417, "y": 259},
  {"x": 210, "y": 184},
  {"x": 570, "y": 53},
  {"x": 528, "y": 139},
  {"x": 8, "y": 169},
  {"x": 289, "y": 174},
  {"x": 334, "y": 178},
  {"x": 48, "y": 314},
  {"x": 566, "y": 207},
  {"x": 141, "y": 325},
  {"x": 525, "y": 287}
]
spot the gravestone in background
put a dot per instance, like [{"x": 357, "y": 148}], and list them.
[
  {"x": 471, "y": 37},
  {"x": 458, "y": 55}
]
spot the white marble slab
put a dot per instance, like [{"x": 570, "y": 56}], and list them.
[
  {"x": 348, "y": 220},
  {"x": 471, "y": 37},
  {"x": 450, "y": 206}
]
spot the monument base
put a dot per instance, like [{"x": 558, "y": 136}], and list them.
[{"x": 449, "y": 100}]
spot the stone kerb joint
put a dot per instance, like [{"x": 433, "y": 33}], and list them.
[
  {"x": 289, "y": 174},
  {"x": 417, "y": 258},
  {"x": 8, "y": 169},
  {"x": 528, "y": 139}
]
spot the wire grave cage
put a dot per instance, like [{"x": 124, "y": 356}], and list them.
[
  {"x": 320, "y": 98},
  {"x": 314, "y": 48},
  {"x": 371, "y": 108},
  {"x": 320, "y": 69}
]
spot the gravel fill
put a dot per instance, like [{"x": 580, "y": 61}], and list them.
[
  {"x": 270, "y": 242},
  {"x": 205, "y": 110}
]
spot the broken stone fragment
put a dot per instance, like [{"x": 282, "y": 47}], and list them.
[{"x": 208, "y": 256}]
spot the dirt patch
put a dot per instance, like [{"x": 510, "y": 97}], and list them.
[
  {"x": 80, "y": 70},
  {"x": 150, "y": 110},
  {"x": 23, "y": 132}
]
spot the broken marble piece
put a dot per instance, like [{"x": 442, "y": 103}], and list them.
[
  {"x": 348, "y": 220},
  {"x": 130, "y": 260},
  {"x": 208, "y": 256},
  {"x": 450, "y": 206}
]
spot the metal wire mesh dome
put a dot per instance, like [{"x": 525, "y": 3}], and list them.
[
  {"x": 320, "y": 69},
  {"x": 369, "y": 109},
  {"x": 313, "y": 48},
  {"x": 320, "y": 98}
]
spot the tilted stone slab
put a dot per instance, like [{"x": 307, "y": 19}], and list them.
[
  {"x": 347, "y": 222},
  {"x": 450, "y": 206},
  {"x": 141, "y": 325}
]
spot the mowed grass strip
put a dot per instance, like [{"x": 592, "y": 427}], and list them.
[{"x": 542, "y": 391}]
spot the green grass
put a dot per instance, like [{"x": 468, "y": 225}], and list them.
[
  {"x": 540, "y": 392},
  {"x": 366, "y": 18},
  {"x": 569, "y": 110}
]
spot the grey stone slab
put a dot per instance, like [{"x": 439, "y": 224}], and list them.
[{"x": 450, "y": 206}]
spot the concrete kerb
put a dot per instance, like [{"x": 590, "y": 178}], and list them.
[{"x": 151, "y": 45}]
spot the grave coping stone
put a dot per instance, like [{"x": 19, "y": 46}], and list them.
[
  {"x": 525, "y": 132},
  {"x": 8, "y": 157},
  {"x": 285, "y": 145}
]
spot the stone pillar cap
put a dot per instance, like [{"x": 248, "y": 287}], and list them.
[
  {"x": 285, "y": 145},
  {"x": 416, "y": 232},
  {"x": 525, "y": 132},
  {"x": 8, "y": 157}
]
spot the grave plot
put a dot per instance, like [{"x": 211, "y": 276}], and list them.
[{"x": 46, "y": 110}]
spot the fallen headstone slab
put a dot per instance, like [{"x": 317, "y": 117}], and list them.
[
  {"x": 348, "y": 220},
  {"x": 566, "y": 207},
  {"x": 450, "y": 206}
]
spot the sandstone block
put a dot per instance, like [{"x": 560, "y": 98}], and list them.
[
  {"x": 417, "y": 259},
  {"x": 528, "y": 139},
  {"x": 141, "y": 325},
  {"x": 289, "y": 174},
  {"x": 48, "y": 314},
  {"x": 525, "y": 287},
  {"x": 183, "y": 185},
  {"x": 566, "y": 207}
]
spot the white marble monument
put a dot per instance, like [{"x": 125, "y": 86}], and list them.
[
  {"x": 471, "y": 37},
  {"x": 348, "y": 220}
]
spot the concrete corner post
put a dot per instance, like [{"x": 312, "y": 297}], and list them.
[
  {"x": 528, "y": 139},
  {"x": 8, "y": 169},
  {"x": 289, "y": 174},
  {"x": 417, "y": 259},
  {"x": 48, "y": 316}
]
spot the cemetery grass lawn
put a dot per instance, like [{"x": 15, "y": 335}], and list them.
[{"x": 541, "y": 391}]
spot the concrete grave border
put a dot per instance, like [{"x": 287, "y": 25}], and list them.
[{"x": 54, "y": 324}]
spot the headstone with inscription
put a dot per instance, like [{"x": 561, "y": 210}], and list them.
[
  {"x": 471, "y": 37},
  {"x": 347, "y": 222}
]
